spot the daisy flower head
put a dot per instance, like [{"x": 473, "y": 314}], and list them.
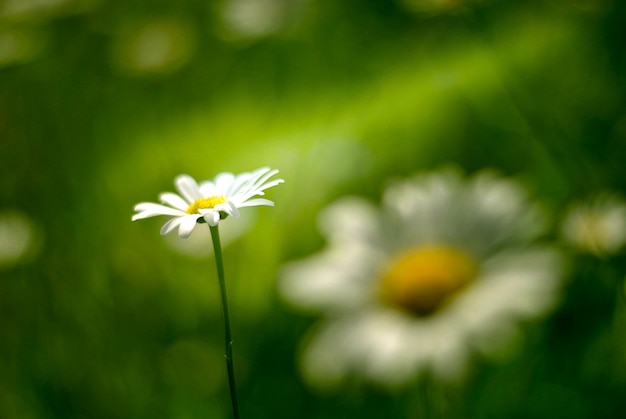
[
  {"x": 446, "y": 268},
  {"x": 597, "y": 226},
  {"x": 209, "y": 201}
]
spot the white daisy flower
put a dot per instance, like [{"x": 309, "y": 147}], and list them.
[
  {"x": 209, "y": 201},
  {"x": 598, "y": 226},
  {"x": 445, "y": 269}
]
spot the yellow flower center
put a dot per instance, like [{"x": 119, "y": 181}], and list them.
[
  {"x": 204, "y": 203},
  {"x": 421, "y": 279}
]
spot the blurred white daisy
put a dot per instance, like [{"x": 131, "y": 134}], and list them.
[
  {"x": 597, "y": 226},
  {"x": 156, "y": 47},
  {"x": 19, "y": 240},
  {"x": 209, "y": 201},
  {"x": 445, "y": 269},
  {"x": 250, "y": 19}
]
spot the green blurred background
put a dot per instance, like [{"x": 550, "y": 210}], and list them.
[{"x": 103, "y": 103}]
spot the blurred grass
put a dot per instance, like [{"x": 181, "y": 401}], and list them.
[{"x": 109, "y": 321}]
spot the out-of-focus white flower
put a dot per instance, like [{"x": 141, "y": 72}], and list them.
[
  {"x": 18, "y": 238},
  {"x": 210, "y": 201},
  {"x": 249, "y": 19},
  {"x": 157, "y": 47},
  {"x": 445, "y": 269},
  {"x": 597, "y": 226}
]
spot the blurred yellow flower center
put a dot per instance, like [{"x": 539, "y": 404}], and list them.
[
  {"x": 204, "y": 203},
  {"x": 421, "y": 279}
]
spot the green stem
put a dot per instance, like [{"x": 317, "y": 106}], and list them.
[{"x": 228, "y": 341}]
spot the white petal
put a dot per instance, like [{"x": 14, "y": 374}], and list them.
[
  {"x": 262, "y": 179},
  {"x": 229, "y": 208},
  {"x": 170, "y": 225},
  {"x": 187, "y": 225},
  {"x": 234, "y": 210},
  {"x": 328, "y": 358},
  {"x": 271, "y": 184},
  {"x": 142, "y": 215},
  {"x": 148, "y": 209},
  {"x": 240, "y": 182},
  {"x": 255, "y": 185},
  {"x": 212, "y": 218},
  {"x": 247, "y": 181},
  {"x": 337, "y": 279},
  {"x": 223, "y": 182},
  {"x": 208, "y": 189},
  {"x": 188, "y": 187},
  {"x": 256, "y": 202},
  {"x": 244, "y": 195},
  {"x": 261, "y": 182},
  {"x": 256, "y": 174},
  {"x": 174, "y": 201},
  {"x": 351, "y": 220},
  {"x": 248, "y": 191}
]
